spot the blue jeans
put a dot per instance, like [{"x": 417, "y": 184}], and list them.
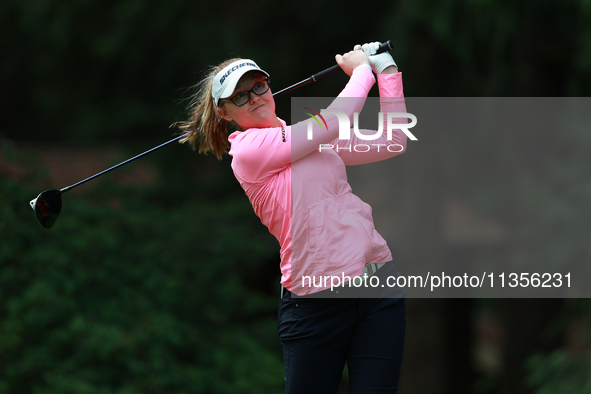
[{"x": 320, "y": 334}]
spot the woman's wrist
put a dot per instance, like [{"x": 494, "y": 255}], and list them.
[
  {"x": 393, "y": 69},
  {"x": 366, "y": 65}
]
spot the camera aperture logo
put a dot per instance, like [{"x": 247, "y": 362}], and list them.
[
  {"x": 315, "y": 118},
  {"x": 345, "y": 129}
]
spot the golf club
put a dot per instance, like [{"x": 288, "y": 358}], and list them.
[{"x": 48, "y": 204}]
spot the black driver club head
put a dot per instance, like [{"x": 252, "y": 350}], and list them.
[{"x": 47, "y": 207}]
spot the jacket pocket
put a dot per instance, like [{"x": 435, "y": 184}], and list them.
[{"x": 337, "y": 236}]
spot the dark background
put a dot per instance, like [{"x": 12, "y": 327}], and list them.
[{"x": 159, "y": 278}]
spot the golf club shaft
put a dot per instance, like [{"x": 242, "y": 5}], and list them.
[
  {"x": 331, "y": 70},
  {"x": 65, "y": 189},
  {"x": 387, "y": 46}
]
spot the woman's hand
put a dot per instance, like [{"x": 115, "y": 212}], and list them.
[
  {"x": 380, "y": 63},
  {"x": 351, "y": 60}
]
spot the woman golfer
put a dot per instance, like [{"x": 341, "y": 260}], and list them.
[{"x": 295, "y": 178}]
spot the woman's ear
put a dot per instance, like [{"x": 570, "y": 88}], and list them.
[{"x": 223, "y": 114}]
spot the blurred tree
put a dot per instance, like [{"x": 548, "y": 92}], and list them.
[
  {"x": 503, "y": 48},
  {"x": 128, "y": 296},
  {"x": 85, "y": 71}
]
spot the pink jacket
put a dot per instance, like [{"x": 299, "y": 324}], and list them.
[{"x": 302, "y": 194}]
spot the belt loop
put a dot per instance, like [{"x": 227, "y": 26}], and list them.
[{"x": 282, "y": 288}]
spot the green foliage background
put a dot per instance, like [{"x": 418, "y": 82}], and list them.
[
  {"x": 130, "y": 296},
  {"x": 171, "y": 287}
]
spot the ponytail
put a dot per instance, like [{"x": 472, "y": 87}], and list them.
[{"x": 205, "y": 125}]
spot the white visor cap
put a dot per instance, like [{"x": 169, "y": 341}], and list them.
[{"x": 226, "y": 80}]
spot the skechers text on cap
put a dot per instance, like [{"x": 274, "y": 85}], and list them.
[{"x": 226, "y": 80}]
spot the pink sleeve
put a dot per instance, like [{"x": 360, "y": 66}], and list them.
[
  {"x": 259, "y": 153},
  {"x": 359, "y": 85},
  {"x": 391, "y": 100},
  {"x": 390, "y": 85}
]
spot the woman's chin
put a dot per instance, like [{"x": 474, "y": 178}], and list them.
[{"x": 265, "y": 120}]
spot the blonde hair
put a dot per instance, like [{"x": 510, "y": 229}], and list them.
[{"x": 205, "y": 125}]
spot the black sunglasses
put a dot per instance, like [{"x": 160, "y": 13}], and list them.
[{"x": 242, "y": 98}]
